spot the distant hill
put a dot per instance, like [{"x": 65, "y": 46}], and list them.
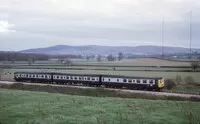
[{"x": 105, "y": 50}]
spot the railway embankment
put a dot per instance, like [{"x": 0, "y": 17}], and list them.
[{"x": 98, "y": 92}]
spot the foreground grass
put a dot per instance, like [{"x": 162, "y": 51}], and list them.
[{"x": 50, "y": 108}]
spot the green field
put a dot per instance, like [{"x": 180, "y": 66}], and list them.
[
  {"x": 39, "y": 107},
  {"x": 124, "y": 62}
]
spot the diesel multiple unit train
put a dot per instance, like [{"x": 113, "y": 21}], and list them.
[{"x": 112, "y": 81}]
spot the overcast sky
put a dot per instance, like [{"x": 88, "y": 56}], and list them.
[{"x": 28, "y": 24}]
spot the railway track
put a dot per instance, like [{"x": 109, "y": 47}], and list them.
[{"x": 164, "y": 93}]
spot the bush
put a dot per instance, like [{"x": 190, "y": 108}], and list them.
[
  {"x": 169, "y": 84},
  {"x": 178, "y": 79},
  {"x": 190, "y": 80},
  {"x": 194, "y": 65}
]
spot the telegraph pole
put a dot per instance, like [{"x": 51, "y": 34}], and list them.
[
  {"x": 190, "y": 34},
  {"x": 163, "y": 21}
]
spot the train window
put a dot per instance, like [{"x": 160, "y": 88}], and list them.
[
  {"x": 138, "y": 81},
  {"x": 124, "y": 80},
  {"x": 117, "y": 80},
  {"x": 75, "y": 78},
  {"x": 33, "y": 75},
  {"x": 67, "y": 77},
  {"x": 109, "y": 79},
  {"x": 61, "y": 77},
  {"x": 133, "y": 81},
  {"x": 103, "y": 79},
  {"x": 151, "y": 81},
  {"x": 93, "y": 79},
  {"x": 64, "y": 77},
  {"x": 88, "y": 78},
  {"x": 144, "y": 81},
  {"x": 71, "y": 78},
  {"x": 79, "y": 78},
  {"x": 57, "y": 77},
  {"x": 129, "y": 80}
]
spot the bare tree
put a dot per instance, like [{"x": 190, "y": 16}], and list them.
[
  {"x": 30, "y": 61},
  {"x": 111, "y": 57},
  {"x": 120, "y": 56},
  {"x": 61, "y": 60},
  {"x": 67, "y": 62},
  {"x": 99, "y": 58},
  {"x": 194, "y": 65},
  {"x": 88, "y": 58},
  {"x": 12, "y": 61},
  {"x": 1, "y": 73}
]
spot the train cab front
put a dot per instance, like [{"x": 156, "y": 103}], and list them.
[{"x": 161, "y": 83}]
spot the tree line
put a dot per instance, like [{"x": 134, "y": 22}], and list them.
[{"x": 15, "y": 56}]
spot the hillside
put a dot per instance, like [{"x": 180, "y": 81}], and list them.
[{"x": 104, "y": 50}]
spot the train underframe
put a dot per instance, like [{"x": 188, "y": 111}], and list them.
[{"x": 92, "y": 84}]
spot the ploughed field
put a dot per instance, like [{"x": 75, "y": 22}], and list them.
[{"x": 41, "y": 107}]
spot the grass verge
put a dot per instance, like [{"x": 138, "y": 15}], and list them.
[{"x": 98, "y": 92}]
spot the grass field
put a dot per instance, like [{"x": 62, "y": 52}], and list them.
[
  {"x": 39, "y": 107},
  {"x": 140, "y": 62},
  {"x": 124, "y": 62}
]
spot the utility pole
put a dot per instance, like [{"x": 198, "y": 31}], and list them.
[
  {"x": 163, "y": 21},
  {"x": 190, "y": 34}
]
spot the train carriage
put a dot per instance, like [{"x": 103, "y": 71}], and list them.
[
  {"x": 143, "y": 83},
  {"x": 33, "y": 77},
  {"x": 64, "y": 78}
]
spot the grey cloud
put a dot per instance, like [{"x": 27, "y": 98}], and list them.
[{"x": 120, "y": 22}]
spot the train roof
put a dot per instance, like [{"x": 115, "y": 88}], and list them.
[
  {"x": 122, "y": 76},
  {"x": 114, "y": 76},
  {"x": 33, "y": 72}
]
